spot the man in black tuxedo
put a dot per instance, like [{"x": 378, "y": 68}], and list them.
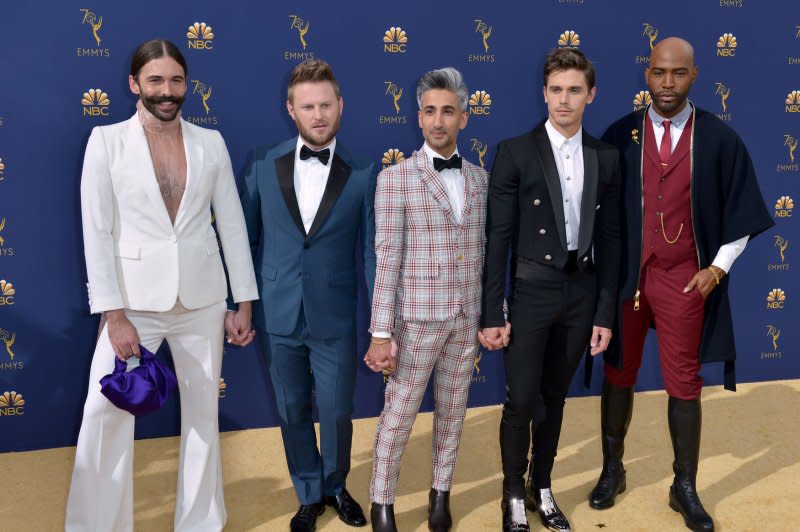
[{"x": 554, "y": 198}]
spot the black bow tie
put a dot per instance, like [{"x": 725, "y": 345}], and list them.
[
  {"x": 323, "y": 155},
  {"x": 443, "y": 164}
]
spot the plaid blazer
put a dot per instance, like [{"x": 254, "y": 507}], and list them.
[{"x": 428, "y": 266}]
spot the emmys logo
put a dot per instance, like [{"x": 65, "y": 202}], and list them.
[
  {"x": 203, "y": 93},
  {"x": 726, "y": 45},
  {"x": 4, "y": 251},
  {"x": 642, "y": 100},
  {"x": 793, "y": 102},
  {"x": 12, "y": 404},
  {"x": 95, "y": 103},
  {"x": 7, "y": 338},
  {"x": 724, "y": 92},
  {"x": 480, "y": 148},
  {"x": 394, "y": 93},
  {"x": 776, "y": 299},
  {"x": 782, "y": 245},
  {"x": 783, "y": 207},
  {"x": 200, "y": 36},
  {"x": 790, "y": 143},
  {"x": 391, "y": 157},
  {"x": 95, "y": 23},
  {"x": 485, "y": 30},
  {"x": 650, "y": 33},
  {"x": 7, "y": 293},
  {"x": 2, "y": 167},
  {"x": 477, "y": 378},
  {"x": 731, "y": 3},
  {"x": 395, "y": 40},
  {"x": 223, "y": 388},
  {"x": 774, "y": 334},
  {"x": 480, "y": 103},
  {"x": 569, "y": 39}
]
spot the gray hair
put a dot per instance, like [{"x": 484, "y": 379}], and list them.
[{"x": 447, "y": 78}]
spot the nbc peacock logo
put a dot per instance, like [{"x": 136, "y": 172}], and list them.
[
  {"x": 391, "y": 157},
  {"x": 222, "y": 389},
  {"x": 569, "y": 39},
  {"x": 726, "y": 45},
  {"x": 783, "y": 207},
  {"x": 776, "y": 299},
  {"x": 95, "y": 103},
  {"x": 200, "y": 36},
  {"x": 2, "y": 167},
  {"x": 793, "y": 102},
  {"x": 641, "y": 100},
  {"x": 480, "y": 103},
  {"x": 12, "y": 404},
  {"x": 395, "y": 40},
  {"x": 7, "y": 293}
]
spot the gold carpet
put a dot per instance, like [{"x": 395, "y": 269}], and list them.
[{"x": 748, "y": 473}]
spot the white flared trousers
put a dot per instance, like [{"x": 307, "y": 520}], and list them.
[{"x": 101, "y": 493}]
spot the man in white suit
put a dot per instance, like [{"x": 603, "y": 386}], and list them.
[{"x": 155, "y": 273}]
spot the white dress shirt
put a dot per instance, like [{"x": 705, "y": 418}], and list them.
[
  {"x": 453, "y": 182},
  {"x": 730, "y": 251},
  {"x": 568, "y": 153},
  {"x": 310, "y": 179}
]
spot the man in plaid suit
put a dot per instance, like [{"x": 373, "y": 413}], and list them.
[{"x": 430, "y": 212}]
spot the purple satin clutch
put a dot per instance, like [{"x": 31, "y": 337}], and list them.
[{"x": 142, "y": 390}]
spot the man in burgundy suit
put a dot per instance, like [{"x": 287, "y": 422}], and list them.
[{"x": 690, "y": 204}]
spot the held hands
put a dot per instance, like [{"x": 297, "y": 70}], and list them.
[
  {"x": 705, "y": 280},
  {"x": 122, "y": 335},
  {"x": 237, "y": 325},
  {"x": 600, "y": 339},
  {"x": 381, "y": 355},
  {"x": 493, "y": 338}
]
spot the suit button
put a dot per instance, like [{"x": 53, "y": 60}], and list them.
[
  {"x": 305, "y": 245},
  {"x": 537, "y": 202},
  {"x": 585, "y": 259},
  {"x": 173, "y": 238},
  {"x": 460, "y": 257},
  {"x": 542, "y": 231},
  {"x": 548, "y": 257}
]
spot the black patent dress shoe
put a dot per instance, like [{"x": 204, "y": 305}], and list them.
[
  {"x": 305, "y": 520},
  {"x": 610, "y": 484},
  {"x": 554, "y": 519},
  {"x": 515, "y": 518},
  {"x": 439, "y": 518},
  {"x": 348, "y": 509},
  {"x": 382, "y": 518}
]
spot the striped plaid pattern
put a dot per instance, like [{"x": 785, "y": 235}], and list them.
[
  {"x": 449, "y": 347},
  {"x": 428, "y": 267}
]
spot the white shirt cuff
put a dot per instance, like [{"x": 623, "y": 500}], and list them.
[
  {"x": 729, "y": 253},
  {"x": 381, "y": 334}
]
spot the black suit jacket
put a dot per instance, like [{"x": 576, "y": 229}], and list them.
[{"x": 526, "y": 211}]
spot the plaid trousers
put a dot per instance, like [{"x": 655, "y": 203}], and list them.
[{"x": 449, "y": 347}]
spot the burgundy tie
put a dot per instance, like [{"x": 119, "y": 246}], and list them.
[{"x": 666, "y": 145}]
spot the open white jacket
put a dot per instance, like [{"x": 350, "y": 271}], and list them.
[{"x": 135, "y": 258}]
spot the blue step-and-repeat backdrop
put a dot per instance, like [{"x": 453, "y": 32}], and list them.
[{"x": 64, "y": 69}]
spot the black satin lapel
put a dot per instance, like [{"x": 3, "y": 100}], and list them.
[
  {"x": 337, "y": 179},
  {"x": 550, "y": 171},
  {"x": 588, "y": 196},
  {"x": 284, "y": 169}
]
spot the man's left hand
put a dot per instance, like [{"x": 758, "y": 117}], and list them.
[
  {"x": 600, "y": 339},
  {"x": 704, "y": 281},
  {"x": 238, "y": 325}
]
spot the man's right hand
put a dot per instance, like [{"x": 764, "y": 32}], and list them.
[
  {"x": 493, "y": 338},
  {"x": 122, "y": 335},
  {"x": 381, "y": 356}
]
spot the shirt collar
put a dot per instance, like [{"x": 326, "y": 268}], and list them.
[
  {"x": 560, "y": 141},
  {"x": 677, "y": 121},
  {"x": 430, "y": 153},
  {"x": 300, "y": 143}
]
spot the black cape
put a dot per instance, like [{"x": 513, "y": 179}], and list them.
[{"x": 726, "y": 205}]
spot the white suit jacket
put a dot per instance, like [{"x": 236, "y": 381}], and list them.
[{"x": 135, "y": 258}]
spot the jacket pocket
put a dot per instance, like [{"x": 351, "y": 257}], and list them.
[{"x": 421, "y": 269}]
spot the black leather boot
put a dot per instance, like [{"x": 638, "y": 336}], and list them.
[
  {"x": 616, "y": 407},
  {"x": 382, "y": 517},
  {"x": 439, "y": 518},
  {"x": 685, "y": 420}
]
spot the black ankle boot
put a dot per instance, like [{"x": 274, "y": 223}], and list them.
[
  {"x": 439, "y": 518},
  {"x": 684, "y": 428},
  {"x": 616, "y": 407},
  {"x": 382, "y": 517}
]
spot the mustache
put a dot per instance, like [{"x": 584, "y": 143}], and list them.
[{"x": 164, "y": 99}]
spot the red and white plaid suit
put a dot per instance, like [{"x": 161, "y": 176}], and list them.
[{"x": 427, "y": 293}]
